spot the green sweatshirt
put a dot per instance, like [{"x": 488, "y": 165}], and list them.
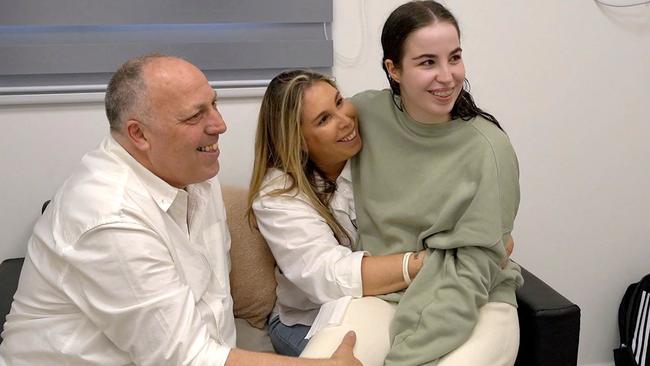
[{"x": 453, "y": 188}]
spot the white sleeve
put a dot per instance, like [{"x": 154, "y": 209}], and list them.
[
  {"x": 306, "y": 250},
  {"x": 123, "y": 278}
]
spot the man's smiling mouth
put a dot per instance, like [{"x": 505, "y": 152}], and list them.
[{"x": 208, "y": 148}]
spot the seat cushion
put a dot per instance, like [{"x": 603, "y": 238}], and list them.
[{"x": 251, "y": 338}]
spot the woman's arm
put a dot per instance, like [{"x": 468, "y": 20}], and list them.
[
  {"x": 383, "y": 274},
  {"x": 309, "y": 255},
  {"x": 380, "y": 274}
]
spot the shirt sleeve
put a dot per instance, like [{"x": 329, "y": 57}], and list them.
[
  {"x": 440, "y": 308},
  {"x": 123, "y": 278},
  {"x": 306, "y": 250}
]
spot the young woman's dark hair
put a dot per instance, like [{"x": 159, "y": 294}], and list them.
[{"x": 407, "y": 19}]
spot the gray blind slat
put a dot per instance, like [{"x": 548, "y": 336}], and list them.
[
  {"x": 94, "y": 58},
  {"x": 174, "y": 33},
  {"x": 89, "y": 12}
]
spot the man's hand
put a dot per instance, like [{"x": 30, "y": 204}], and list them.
[
  {"x": 343, "y": 355},
  {"x": 510, "y": 246}
]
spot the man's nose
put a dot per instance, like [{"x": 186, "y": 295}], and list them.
[{"x": 216, "y": 125}]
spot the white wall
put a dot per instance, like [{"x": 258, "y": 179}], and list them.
[{"x": 569, "y": 82}]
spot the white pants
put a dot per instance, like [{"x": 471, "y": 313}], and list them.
[{"x": 493, "y": 342}]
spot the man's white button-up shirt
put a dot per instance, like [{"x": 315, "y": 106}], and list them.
[{"x": 124, "y": 269}]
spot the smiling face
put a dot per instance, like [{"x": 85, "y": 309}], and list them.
[
  {"x": 329, "y": 127},
  {"x": 431, "y": 72},
  {"x": 180, "y": 132}
]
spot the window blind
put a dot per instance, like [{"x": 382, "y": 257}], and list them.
[{"x": 59, "y": 46}]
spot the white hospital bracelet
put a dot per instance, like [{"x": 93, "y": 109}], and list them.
[{"x": 405, "y": 267}]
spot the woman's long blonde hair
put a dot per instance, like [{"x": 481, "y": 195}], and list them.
[{"x": 279, "y": 144}]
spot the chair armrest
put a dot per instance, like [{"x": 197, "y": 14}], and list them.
[
  {"x": 549, "y": 325},
  {"x": 9, "y": 274}
]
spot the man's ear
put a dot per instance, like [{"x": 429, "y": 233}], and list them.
[
  {"x": 392, "y": 70},
  {"x": 136, "y": 134}
]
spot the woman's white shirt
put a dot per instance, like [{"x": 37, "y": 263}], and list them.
[{"x": 312, "y": 267}]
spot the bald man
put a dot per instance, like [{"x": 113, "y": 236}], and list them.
[{"x": 129, "y": 264}]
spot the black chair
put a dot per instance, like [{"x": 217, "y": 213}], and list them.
[
  {"x": 9, "y": 273},
  {"x": 549, "y": 325}
]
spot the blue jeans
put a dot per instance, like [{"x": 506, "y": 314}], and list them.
[{"x": 287, "y": 340}]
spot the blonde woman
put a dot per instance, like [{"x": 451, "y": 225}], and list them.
[{"x": 301, "y": 198}]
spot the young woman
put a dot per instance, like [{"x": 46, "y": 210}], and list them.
[
  {"x": 437, "y": 172},
  {"x": 301, "y": 197}
]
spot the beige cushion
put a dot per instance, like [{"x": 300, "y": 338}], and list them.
[
  {"x": 252, "y": 339},
  {"x": 252, "y": 277}
]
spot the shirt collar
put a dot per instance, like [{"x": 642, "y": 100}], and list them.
[
  {"x": 346, "y": 174},
  {"x": 162, "y": 192}
]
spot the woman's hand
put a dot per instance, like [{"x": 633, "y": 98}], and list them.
[
  {"x": 510, "y": 246},
  {"x": 416, "y": 262}
]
